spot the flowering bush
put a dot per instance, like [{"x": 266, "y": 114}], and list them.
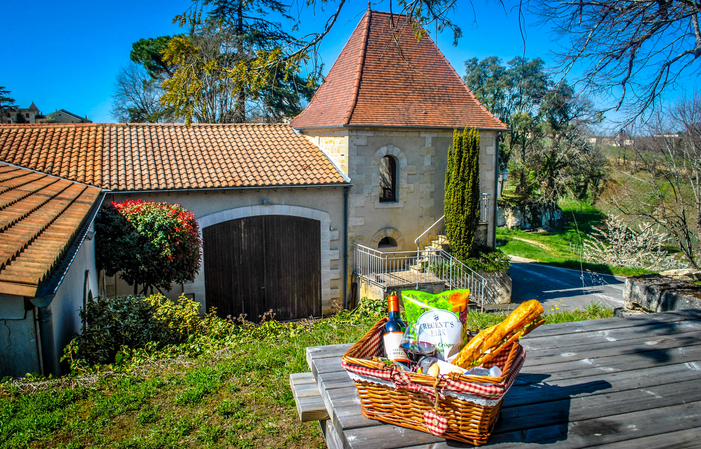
[
  {"x": 620, "y": 246},
  {"x": 148, "y": 243}
]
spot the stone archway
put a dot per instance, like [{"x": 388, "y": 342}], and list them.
[
  {"x": 322, "y": 219},
  {"x": 391, "y": 233}
]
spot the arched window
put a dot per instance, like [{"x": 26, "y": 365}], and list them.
[
  {"x": 388, "y": 179},
  {"x": 387, "y": 242}
]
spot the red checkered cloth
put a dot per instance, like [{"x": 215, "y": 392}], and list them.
[{"x": 435, "y": 423}]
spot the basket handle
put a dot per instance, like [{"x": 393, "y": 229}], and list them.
[
  {"x": 402, "y": 380},
  {"x": 436, "y": 394}
]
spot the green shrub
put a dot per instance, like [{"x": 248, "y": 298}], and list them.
[
  {"x": 488, "y": 259},
  {"x": 132, "y": 322},
  {"x": 462, "y": 193}
]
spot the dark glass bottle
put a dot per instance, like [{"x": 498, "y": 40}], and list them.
[{"x": 394, "y": 330}]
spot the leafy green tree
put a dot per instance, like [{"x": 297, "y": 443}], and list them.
[
  {"x": 462, "y": 194},
  {"x": 149, "y": 54},
  {"x": 147, "y": 243},
  {"x": 257, "y": 61},
  {"x": 544, "y": 147},
  {"x": 201, "y": 66},
  {"x": 514, "y": 93},
  {"x": 218, "y": 74}
]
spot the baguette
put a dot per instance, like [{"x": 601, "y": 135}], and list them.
[{"x": 488, "y": 343}]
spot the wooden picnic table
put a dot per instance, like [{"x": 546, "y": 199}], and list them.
[{"x": 620, "y": 382}]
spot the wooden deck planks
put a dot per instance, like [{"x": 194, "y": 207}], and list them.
[{"x": 615, "y": 323}]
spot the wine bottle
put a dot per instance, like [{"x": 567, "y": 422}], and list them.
[{"x": 394, "y": 330}]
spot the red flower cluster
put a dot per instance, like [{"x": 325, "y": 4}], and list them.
[{"x": 158, "y": 244}]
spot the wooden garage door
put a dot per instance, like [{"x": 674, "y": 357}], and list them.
[{"x": 255, "y": 264}]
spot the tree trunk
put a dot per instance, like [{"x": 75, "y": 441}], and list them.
[{"x": 239, "y": 115}]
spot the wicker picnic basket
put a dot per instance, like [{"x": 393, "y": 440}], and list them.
[{"x": 455, "y": 407}]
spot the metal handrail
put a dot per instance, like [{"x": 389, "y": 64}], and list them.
[
  {"x": 428, "y": 232},
  {"x": 408, "y": 267}
]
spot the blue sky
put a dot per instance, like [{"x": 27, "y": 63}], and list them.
[{"x": 66, "y": 55}]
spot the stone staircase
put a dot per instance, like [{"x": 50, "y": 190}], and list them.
[
  {"x": 497, "y": 289},
  {"x": 430, "y": 267},
  {"x": 440, "y": 243}
]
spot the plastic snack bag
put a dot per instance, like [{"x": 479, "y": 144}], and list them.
[{"x": 417, "y": 302}]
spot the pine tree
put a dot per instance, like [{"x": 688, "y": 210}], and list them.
[{"x": 462, "y": 195}]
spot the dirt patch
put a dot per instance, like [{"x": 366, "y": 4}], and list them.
[{"x": 534, "y": 243}]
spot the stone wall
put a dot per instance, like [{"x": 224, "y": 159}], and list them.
[
  {"x": 421, "y": 158},
  {"x": 656, "y": 293},
  {"x": 499, "y": 287},
  {"x": 531, "y": 215}
]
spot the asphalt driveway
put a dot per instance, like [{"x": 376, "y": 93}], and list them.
[{"x": 562, "y": 287}]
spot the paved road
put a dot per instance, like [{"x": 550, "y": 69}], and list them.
[{"x": 567, "y": 289}]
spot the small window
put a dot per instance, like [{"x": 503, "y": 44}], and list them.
[
  {"x": 388, "y": 179},
  {"x": 387, "y": 242}
]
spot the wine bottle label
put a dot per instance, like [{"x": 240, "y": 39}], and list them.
[{"x": 392, "y": 340}]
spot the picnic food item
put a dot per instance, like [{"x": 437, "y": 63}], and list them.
[
  {"x": 433, "y": 367},
  {"x": 394, "y": 331},
  {"x": 443, "y": 329},
  {"x": 417, "y": 302},
  {"x": 488, "y": 343}
]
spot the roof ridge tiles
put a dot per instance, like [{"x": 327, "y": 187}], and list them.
[{"x": 359, "y": 70}]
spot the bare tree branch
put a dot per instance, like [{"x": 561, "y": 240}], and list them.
[{"x": 630, "y": 51}]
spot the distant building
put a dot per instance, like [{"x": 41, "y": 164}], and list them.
[
  {"x": 621, "y": 139},
  {"x": 20, "y": 115},
  {"x": 32, "y": 114},
  {"x": 63, "y": 116}
]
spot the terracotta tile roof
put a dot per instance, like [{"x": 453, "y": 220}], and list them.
[
  {"x": 385, "y": 77},
  {"x": 39, "y": 217},
  {"x": 169, "y": 156}
]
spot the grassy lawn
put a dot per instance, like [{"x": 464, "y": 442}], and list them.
[
  {"x": 230, "y": 391},
  {"x": 561, "y": 247}
]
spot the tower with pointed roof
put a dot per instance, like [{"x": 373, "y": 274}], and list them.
[{"x": 385, "y": 115}]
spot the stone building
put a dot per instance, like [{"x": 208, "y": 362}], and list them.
[
  {"x": 269, "y": 203},
  {"x": 385, "y": 115},
  {"x": 21, "y": 115}
]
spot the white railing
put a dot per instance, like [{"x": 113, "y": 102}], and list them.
[
  {"x": 386, "y": 268},
  {"x": 404, "y": 268}
]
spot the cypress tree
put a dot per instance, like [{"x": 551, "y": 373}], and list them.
[{"x": 462, "y": 193}]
